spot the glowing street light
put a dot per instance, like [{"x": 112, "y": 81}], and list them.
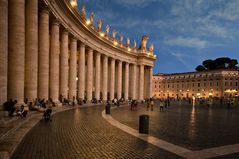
[
  {"x": 102, "y": 34},
  {"x": 115, "y": 43},
  {"x": 87, "y": 22},
  {"x": 73, "y": 3}
]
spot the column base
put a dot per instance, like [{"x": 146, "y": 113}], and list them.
[{"x": 57, "y": 103}]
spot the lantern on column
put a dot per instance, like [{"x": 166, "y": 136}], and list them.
[{"x": 73, "y": 3}]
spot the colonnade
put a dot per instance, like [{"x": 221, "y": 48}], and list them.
[{"x": 42, "y": 59}]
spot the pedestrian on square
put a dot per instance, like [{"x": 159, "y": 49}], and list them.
[
  {"x": 148, "y": 104},
  {"x": 161, "y": 105},
  {"x": 152, "y": 104}
]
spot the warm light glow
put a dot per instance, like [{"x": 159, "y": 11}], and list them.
[
  {"x": 74, "y": 3},
  {"x": 198, "y": 94},
  {"x": 148, "y": 54},
  {"x": 187, "y": 90},
  {"x": 210, "y": 94},
  {"x": 129, "y": 49},
  {"x": 87, "y": 22},
  {"x": 203, "y": 90},
  {"x": 180, "y": 90},
  {"x": 77, "y": 78},
  {"x": 102, "y": 34},
  {"x": 115, "y": 43},
  {"x": 155, "y": 56}
]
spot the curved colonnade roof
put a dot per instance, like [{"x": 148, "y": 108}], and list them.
[{"x": 79, "y": 27}]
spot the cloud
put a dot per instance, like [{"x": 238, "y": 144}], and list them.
[
  {"x": 228, "y": 12},
  {"x": 187, "y": 42},
  {"x": 137, "y": 3},
  {"x": 181, "y": 57}
]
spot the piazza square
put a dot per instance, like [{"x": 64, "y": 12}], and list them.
[{"x": 88, "y": 79}]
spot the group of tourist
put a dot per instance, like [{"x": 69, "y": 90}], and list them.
[{"x": 14, "y": 110}]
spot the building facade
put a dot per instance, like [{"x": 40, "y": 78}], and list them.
[
  {"x": 218, "y": 83},
  {"x": 50, "y": 48}
]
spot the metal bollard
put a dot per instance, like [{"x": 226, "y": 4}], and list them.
[
  {"x": 144, "y": 124},
  {"x": 107, "y": 109}
]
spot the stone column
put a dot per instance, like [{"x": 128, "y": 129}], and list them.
[
  {"x": 141, "y": 82},
  {"x": 3, "y": 50},
  {"x": 89, "y": 74},
  {"x": 150, "y": 81},
  {"x": 31, "y": 62},
  {"x": 81, "y": 72},
  {"x": 54, "y": 61},
  {"x": 112, "y": 79},
  {"x": 97, "y": 76},
  {"x": 43, "y": 56},
  {"x": 119, "y": 86},
  {"x": 105, "y": 78},
  {"x": 72, "y": 73},
  {"x": 126, "y": 85},
  {"x": 16, "y": 49},
  {"x": 64, "y": 66},
  {"x": 133, "y": 87}
]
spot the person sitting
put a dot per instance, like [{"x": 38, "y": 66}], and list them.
[
  {"x": 12, "y": 105},
  {"x": 47, "y": 114},
  {"x": 23, "y": 111}
]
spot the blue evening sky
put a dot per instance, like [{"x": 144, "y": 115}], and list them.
[{"x": 184, "y": 32}]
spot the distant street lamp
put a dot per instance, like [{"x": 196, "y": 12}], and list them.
[{"x": 73, "y": 3}]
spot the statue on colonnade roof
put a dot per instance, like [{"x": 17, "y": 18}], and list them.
[
  {"x": 128, "y": 41},
  {"x": 121, "y": 39},
  {"x": 99, "y": 24},
  {"x": 114, "y": 34},
  {"x": 92, "y": 15},
  {"x": 143, "y": 43},
  {"x": 134, "y": 44},
  {"x": 83, "y": 11},
  {"x": 151, "y": 48},
  {"x": 107, "y": 30}
]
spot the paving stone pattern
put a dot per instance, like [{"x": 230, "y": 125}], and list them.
[
  {"x": 83, "y": 133},
  {"x": 193, "y": 128}
]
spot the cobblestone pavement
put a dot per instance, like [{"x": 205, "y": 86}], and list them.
[
  {"x": 83, "y": 133},
  {"x": 194, "y": 128}
]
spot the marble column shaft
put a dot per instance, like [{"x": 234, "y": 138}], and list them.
[
  {"x": 16, "y": 49},
  {"x": 3, "y": 49},
  {"x": 97, "y": 75},
  {"x": 112, "y": 79},
  {"x": 126, "y": 85},
  {"x": 81, "y": 72},
  {"x": 73, "y": 64},
  {"x": 150, "y": 81},
  {"x": 31, "y": 62},
  {"x": 119, "y": 85},
  {"x": 133, "y": 87},
  {"x": 105, "y": 78},
  {"x": 64, "y": 66},
  {"x": 141, "y": 82},
  {"x": 89, "y": 74},
  {"x": 54, "y": 61},
  {"x": 43, "y": 56}
]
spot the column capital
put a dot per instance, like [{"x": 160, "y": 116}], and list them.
[
  {"x": 98, "y": 53},
  {"x": 55, "y": 22},
  {"x": 45, "y": 10},
  {"x": 65, "y": 31},
  {"x": 82, "y": 44},
  {"x": 73, "y": 39},
  {"x": 89, "y": 49}
]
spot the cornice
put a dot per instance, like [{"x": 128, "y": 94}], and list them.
[{"x": 70, "y": 18}]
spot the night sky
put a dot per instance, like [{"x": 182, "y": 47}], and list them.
[{"x": 184, "y": 32}]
